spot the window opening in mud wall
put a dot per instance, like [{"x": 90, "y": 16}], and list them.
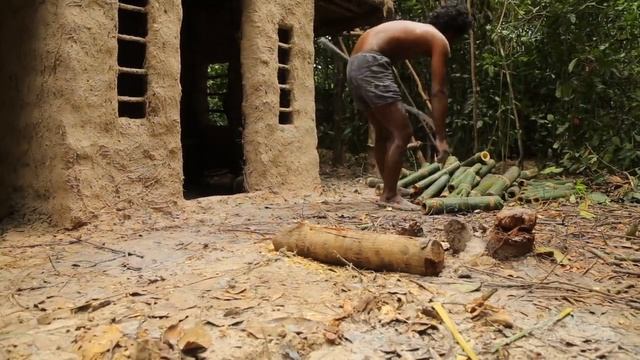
[
  {"x": 284, "y": 70},
  {"x": 132, "y": 49},
  {"x": 217, "y": 85}
]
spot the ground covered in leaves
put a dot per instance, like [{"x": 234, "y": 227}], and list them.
[{"x": 204, "y": 281}]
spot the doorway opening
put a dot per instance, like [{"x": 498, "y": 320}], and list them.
[{"x": 211, "y": 105}]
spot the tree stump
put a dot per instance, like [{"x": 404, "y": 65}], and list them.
[{"x": 512, "y": 236}]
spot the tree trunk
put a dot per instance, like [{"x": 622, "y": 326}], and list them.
[
  {"x": 365, "y": 250},
  {"x": 339, "y": 110}
]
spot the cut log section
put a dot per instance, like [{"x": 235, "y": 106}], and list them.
[{"x": 365, "y": 250}]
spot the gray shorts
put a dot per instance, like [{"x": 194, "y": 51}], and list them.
[{"x": 370, "y": 79}]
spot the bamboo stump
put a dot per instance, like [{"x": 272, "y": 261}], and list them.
[
  {"x": 365, "y": 250},
  {"x": 512, "y": 236}
]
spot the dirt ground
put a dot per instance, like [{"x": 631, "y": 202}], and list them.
[{"x": 206, "y": 278}]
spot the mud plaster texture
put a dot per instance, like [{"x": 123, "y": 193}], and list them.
[
  {"x": 68, "y": 154},
  {"x": 282, "y": 156}
]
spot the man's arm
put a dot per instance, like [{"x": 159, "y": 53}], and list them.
[{"x": 439, "y": 95}]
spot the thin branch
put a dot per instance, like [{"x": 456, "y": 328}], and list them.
[{"x": 474, "y": 79}]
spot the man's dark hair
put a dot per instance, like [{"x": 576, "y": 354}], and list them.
[{"x": 453, "y": 20}]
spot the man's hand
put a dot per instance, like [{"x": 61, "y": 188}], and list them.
[{"x": 443, "y": 150}]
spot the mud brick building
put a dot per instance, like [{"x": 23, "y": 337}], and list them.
[{"x": 115, "y": 104}]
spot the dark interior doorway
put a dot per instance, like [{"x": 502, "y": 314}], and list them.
[{"x": 211, "y": 104}]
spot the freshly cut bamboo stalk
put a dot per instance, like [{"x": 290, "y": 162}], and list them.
[
  {"x": 450, "y": 161},
  {"x": 481, "y": 157},
  {"x": 550, "y": 181},
  {"x": 485, "y": 184},
  {"x": 486, "y": 168},
  {"x": 529, "y": 174},
  {"x": 454, "y": 205},
  {"x": 422, "y": 173},
  {"x": 512, "y": 192},
  {"x": 365, "y": 250},
  {"x": 458, "y": 173},
  {"x": 532, "y": 185},
  {"x": 544, "y": 195},
  {"x": 434, "y": 190},
  {"x": 468, "y": 176},
  {"x": 464, "y": 187},
  {"x": 405, "y": 172},
  {"x": 504, "y": 181},
  {"x": 420, "y": 186}
]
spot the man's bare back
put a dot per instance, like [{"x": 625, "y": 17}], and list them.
[{"x": 400, "y": 40}]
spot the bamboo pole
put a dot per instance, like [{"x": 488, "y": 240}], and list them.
[
  {"x": 504, "y": 181},
  {"x": 481, "y": 157},
  {"x": 468, "y": 177},
  {"x": 485, "y": 184},
  {"x": 420, "y": 186},
  {"x": 543, "y": 195},
  {"x": 455, "y": 205},
  {"x": 434, "y": 190},
  {"x": 458, "y": 173},
  {"x": 512, "y": 192},
  {"x": 485, "y": 169},
  {"x": 422, "y": 173},
  {"x": 529, "y": 174}
]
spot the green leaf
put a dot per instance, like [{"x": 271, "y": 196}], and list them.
[
  {"x": 572, "y": 64},
  {"x": 562, "y": 129},
  {"x": 552, "y": 170},
  {"x": 598, "y": 198}
]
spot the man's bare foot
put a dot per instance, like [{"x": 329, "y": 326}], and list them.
[
  {"x": 398, "y": 203},
  {"x": 404, "y": 191}
]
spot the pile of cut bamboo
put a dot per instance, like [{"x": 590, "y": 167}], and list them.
[{"x": 471, "y": 185}]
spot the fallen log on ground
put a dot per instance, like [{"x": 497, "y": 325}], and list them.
[
  {"x": 454, "y": 205},
  {"x": 365, "y": 250}
]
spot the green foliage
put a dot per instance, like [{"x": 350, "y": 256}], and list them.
[
  {"x": 217, "y": 83},
  {"x": 575, "y": 72}
]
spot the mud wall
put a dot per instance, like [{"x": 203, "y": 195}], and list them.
[
  {"x": 71, "y": 156},
  {"x": 280, "y": 156},
  {"x": 33, "y": 152}
]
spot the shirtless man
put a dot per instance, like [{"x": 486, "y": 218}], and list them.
[{"x": 370, "y": 78}]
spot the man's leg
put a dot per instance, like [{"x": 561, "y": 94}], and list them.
[
  {"x": 382, "y": 137},
  {"x": 395, "y": 122}
]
